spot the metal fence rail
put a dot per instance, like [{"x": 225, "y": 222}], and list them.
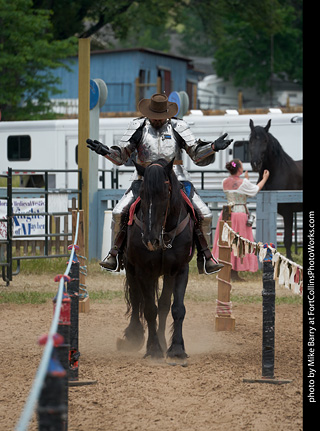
[
  {"x": 6, "y": 264},
  {"x": 43, "y": 242},
  {"x": 38, "y": 381},
  {"x": 264, "y": 204}
]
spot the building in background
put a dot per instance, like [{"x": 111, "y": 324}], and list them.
[
  {"x": 136, "y": 73},
  {"x": 216, "y": 94},
  {"x": 130, "y": 75}
]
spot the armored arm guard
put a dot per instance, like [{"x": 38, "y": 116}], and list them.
[
  {"x": 201, "y": 152},
  {"x": 128, "y": 143}
]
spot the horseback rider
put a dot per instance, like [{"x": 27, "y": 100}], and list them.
[{"x": 158, "y": 134}]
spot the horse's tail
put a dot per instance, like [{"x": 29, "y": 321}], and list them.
[{"x": 135, "y": 294}]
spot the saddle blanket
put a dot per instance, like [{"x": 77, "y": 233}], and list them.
[{"x": 133, "y": 207}]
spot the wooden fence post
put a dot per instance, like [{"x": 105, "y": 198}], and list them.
[
  {"x": 84, "y": 303},
  {"x": 224, "y": 320},
  {"x": 268, "y": 323},
  {"x": 73, "y": 291}
]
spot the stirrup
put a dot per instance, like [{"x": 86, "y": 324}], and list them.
[
  {"x": 103, "y": 262},
  {"x": 202, "y": 266}
]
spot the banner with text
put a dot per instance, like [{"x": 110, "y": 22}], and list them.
[{"x": 27, "y": 224}]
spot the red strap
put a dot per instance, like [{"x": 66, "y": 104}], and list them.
[
  {"x": 189, "y": 203},
  {"x": 132, "y": 210},
  {"x": 135, "y": 203}
]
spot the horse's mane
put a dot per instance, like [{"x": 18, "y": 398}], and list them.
[
  {"x": 274, "y": 145},
  {"x": 154, "y": 182}
]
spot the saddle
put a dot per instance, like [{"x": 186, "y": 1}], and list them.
[
  {"x": 134, "y": 206},
  {"x": 186, "y": 191}
]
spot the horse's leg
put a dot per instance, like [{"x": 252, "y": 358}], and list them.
[
  {"x": 176, "y": 349},
  {"x": 134, "y": 333},
  {"x": 164, "y": 308},
  {"x": 149, "y": 287}
]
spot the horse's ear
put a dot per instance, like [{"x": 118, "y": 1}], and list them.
[
  {"x": 268, "y": 126},
  {"x": 140, "y": 169},
  {"x": 168, "y": 167},
  {"x": 251, "y": 124}
]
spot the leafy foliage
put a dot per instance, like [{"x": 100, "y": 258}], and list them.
[
  {"x": 28, "y": 53},
  {"x": 253, "y": 41},
  {"x": 250, "y": 42}
]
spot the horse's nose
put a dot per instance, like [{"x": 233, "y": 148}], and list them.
[
  {"x": 153, "y": 245},
  {"x": 255, "y": 165}
]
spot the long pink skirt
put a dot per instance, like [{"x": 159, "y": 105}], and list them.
[{"x": 238, "y": 224}]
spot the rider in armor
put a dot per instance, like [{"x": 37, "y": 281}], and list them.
[{"x": 158, "y": 134}]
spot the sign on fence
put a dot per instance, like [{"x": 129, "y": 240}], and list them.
[{"x": 27, "y": 224}]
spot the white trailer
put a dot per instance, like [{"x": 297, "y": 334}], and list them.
[{"x": 52, "y": 145}]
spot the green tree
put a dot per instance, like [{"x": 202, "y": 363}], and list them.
[
  {"x": 251, "y": 41},
  {"x": 28, "y": 55},
  {"x": 85, "y": 18}
]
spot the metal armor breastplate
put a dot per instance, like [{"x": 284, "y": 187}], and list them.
[{"x": 161, "y": 143}]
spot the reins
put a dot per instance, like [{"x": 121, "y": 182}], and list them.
[
  {"x": 172, "y": 234},
  {"x": 179, "y": 228}
]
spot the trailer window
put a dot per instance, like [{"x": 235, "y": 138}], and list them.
[
  {"x": 241, "y": 151},
  {"x": 19, "y": 148}
]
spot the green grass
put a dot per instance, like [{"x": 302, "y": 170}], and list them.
[
  {"x": 42, "y": 266},
  {"x": 48, "y": 267},
  {"x": 25, "y": 297},
  {"x": 257, "y": 299},
  {"x": 59, "y": 265},
  {"x": 297, "y": 258},
  {"x": 21, "y": 298},
  {"x": 106, "y": 295}
]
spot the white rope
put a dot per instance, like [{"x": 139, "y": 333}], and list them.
[
  {"x": 261, "y": 246},
  {"x": 43, "y": 367},
  {"x": 277, "y": 259}
]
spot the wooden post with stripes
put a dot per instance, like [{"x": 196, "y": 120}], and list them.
[
  {"x": 224, "y": 320},
  {"x": 84, "y": 302}
]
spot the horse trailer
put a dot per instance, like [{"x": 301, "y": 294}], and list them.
[{"x": 53, "y": 145}]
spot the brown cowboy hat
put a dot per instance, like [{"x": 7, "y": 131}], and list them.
[{"x": 158, "y": 107}]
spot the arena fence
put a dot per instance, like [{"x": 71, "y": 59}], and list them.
[
  {"x": 275, "y": 267},
  {"x": 52, "y": 239},
  {"x": 59, "y": 361}
]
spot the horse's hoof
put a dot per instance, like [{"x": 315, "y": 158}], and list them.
[
  {"x": 154, "y": 355},
  {"x": 177, "y": 361}
]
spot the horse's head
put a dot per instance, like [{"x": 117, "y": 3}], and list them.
[
  {"x": 258, "y": 142},
  {"x": 155, "y": 196}
]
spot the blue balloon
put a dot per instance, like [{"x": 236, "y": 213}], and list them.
[
  {"x": 94, "y": 93},
  {"x": 175, "y": 97}
]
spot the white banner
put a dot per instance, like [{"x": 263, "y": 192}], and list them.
[{"x": 27, "y": 224}]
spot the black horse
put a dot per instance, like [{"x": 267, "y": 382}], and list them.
[
  {"x": 285, "y": 173},
  {"x": 159, "y": 242}
]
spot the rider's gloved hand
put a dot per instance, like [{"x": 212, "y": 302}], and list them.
[
  {"x": 221, "y": 143},
  {"x": 98, "y": 147}
]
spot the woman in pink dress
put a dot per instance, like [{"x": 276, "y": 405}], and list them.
[{"x": 237, "y": 189}]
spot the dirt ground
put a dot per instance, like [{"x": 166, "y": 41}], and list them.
[{"x": 133, "y": 393}]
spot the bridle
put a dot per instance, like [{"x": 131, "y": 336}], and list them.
[{"x": 180, "y": 226}]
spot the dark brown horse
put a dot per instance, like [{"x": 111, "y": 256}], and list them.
[
  {"x": 285, "y": 173},
  {"x": 159, "y": 243}
]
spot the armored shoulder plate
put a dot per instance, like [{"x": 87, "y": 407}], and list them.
[
  {"x": 132, "y": 128},
  {"x": 179, "y": 125},
  {"x": 184, "y": 131}
]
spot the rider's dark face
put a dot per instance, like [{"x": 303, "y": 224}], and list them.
[{"x": 157, "y": 123}]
